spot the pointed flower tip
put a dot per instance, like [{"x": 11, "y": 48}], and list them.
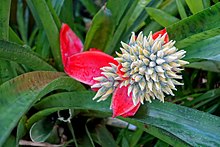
[{"x": 70, "y": 43}]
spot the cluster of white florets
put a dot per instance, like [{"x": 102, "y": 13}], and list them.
[{"x": 150, "y": 69}]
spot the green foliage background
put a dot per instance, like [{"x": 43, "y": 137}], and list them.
[{"x": 33, "y": 86}]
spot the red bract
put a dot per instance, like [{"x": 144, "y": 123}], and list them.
[
  {"x": 84, "y": 66},
  {"x": 122, "y": 104},
  {"x": 70, "y": 44},
  {"x": 161, "y": 32}
]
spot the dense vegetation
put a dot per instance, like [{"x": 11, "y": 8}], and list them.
[{"x": 41, "y": 105}]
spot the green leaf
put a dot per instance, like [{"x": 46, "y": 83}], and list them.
[
  {"x": 90, "y": 6},
  {"x": 20, "y": 54},
  {"x": 195, "y": 6},
  {"x": 4, "y": 19},
  {"x": 41, "y": 130},
  {"x": 181, "y": 9},
  {"x": 161, "y": 144},
  {"x": 21, "y": 129},
  {"x": 54, "y": 13},
  {"x": 161, "y": 17},
  {"x": 50, "y": 28},
  {"x": 116, "y": 39},
  {"x": 124, "y": 142},
  {"x": 206, "y": 3},
  {"x": 22, "y": 20},
  {"x": 138, "y": 18},
  {"x": 118, "y": 9},
  {"x": 168, "y": 7},
  {"x": 10, "y": 142},
  {"x": 105, "y": 137},
  {"x": 139, "y": 13},
  {"x": 176, "y": 125},
  {"x": 91, "y": 142},
  {"x": 24, "y": 90},
  {"x": 208, "y": 65},
  {"x": 64, "y": 83},
  {"x": 100, "y": 31},
  {"x": 13, "y": 37},
  {"x": 204, "y": 54},
  {"x": 136, "y": 137},
  {"x": 195, "y": 28}
]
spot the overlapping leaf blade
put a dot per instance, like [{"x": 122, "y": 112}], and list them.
[
  {"x": 200, "y": 26},
  {"x": 164, "y": 120},
  {"x": 14, "y": 52},
  {"x": 24, "y": 90}
]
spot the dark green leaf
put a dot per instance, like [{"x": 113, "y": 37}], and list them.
[
  {"x": 100, "y": 31},
  {"x": 10, "y": 142},
  {"x": 22, "y": 23},
  {"x": 195, "y": 28},
  {"x": 4, "y": 19},
  {"x": 116, "y": 39},
  {"x": 41, "y": 130},
  {"x": 136, "y": 137},
  {"x": 20, "y": 54},
  {"x": 105, "y": 137},
  {"x": 176, "y": 125},
  {"x": 204, "y": 54},
  {"x": 118, "y": 9},
  {"x": 24, "y": 90},
  {"x": 90, "y": 6},
  {"x": 50, "y": 28},
  {"x": 21, "y": 129},
  {"x": 209, "y": 65}
]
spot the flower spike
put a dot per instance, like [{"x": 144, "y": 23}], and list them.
[{"x": 148, "y": 69}]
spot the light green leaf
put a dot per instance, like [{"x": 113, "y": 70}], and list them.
[
  {"x": 195, "y": 6},
  {"x": 181, "y": 9},
  {"x": 161, "y": 17}
]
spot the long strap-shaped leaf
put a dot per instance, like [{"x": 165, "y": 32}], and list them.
[
  {"x": 195, "y": 28},
  {"x": 18, "y": 95},
  {"x": 46, "y": 19},
  {"x": 177, "y": 125},
  {"x": 14, "y": 52}
]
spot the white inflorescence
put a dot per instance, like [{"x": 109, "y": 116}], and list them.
[{"x": 150, "y": 68}]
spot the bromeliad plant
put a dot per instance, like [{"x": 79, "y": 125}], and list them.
[
  {"x": 146, "y": 69},
  {"x": 33, "y": 86}
]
